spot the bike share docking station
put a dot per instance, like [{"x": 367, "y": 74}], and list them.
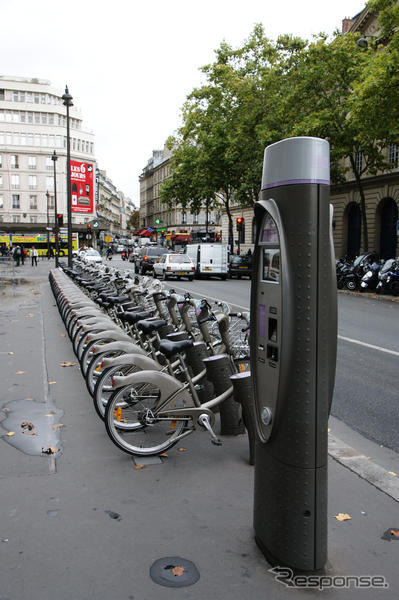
[{"x": 293, "y": 352}]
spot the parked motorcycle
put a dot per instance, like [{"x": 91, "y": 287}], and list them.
[
  {"x": 370, "y": 278},
  {"x": 389, "y": 278},
  {"x": 353, "y": 276}
]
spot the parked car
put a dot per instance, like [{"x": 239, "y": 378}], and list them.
[
  {"x": 174, "y": 265},
  {"x": 91, "y": 256},
  {"x": 148, "y": 256},
  {"x": 240, "y": 266},
  {"x": 120, "y": 248}
]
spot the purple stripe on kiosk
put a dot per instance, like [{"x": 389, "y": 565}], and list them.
[
  {"x": 262, "y": 320},
  {"x": 296, "y": 181}
]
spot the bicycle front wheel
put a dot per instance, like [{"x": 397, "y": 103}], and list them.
[{"x": 132, "y": 424}]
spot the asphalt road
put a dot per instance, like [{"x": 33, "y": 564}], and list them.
[{"x": 366, "y": 391}]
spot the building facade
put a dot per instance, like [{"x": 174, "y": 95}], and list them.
[
  {"x": 32, "y": 126},
  {"x": 174, "y": 223}
]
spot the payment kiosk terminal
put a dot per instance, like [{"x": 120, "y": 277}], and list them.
[{"x": 293, "y": 352}]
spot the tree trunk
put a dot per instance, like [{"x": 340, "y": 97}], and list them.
[
  {"x": 362, "y": 204},
  {"x": 228, "y": 213}
]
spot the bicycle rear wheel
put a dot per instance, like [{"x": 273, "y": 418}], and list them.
[
  {"x": 103, "y": 389},
  {"x": 131, "y": 424}
]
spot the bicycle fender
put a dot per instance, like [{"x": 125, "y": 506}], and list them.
[
  {"x": 112, "y": 334},
  {"x": 98, "y": 324},
  {"x": 145, "y": 363},
  {"x": 167, "y": 384},
  {"x": 119, "y": 346}
]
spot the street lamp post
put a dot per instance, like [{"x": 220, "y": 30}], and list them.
[
  {"x": 48, "y": 225},
  {"x": 67, "y": 98},
  {"x": 56, "y": 232}
]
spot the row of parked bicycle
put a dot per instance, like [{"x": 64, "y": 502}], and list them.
[
  {"x": 368, "y": 272},
  {"x": 158, "y": 365}
]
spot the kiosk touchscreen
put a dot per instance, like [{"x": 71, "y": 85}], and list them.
[{"x": 293, "y": 352}]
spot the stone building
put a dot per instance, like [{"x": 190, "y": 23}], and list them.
[
  {"x": 173, "y": 224},
  {"x": 32, "y": 126}
]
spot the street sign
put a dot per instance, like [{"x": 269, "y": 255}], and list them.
[
  {"x": 95, "y": 223},
  {"x": 49, "y": 229},
  {"x": 88, "y": 236}
]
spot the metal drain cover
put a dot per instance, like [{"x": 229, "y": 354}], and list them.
[{"x": 174, "y": 571}]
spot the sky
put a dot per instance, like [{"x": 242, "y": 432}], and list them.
[{"x": 130, "y": 65}]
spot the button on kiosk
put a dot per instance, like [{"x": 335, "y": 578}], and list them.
[{"x": 293, "y": 352}]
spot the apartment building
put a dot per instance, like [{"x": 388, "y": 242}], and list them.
[{"x": 32, "y": 126}]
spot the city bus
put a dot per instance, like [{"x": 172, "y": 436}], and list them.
[{"x": 39, "y": 241}]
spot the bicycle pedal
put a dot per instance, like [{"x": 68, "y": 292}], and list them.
[{"x": 216, "y": 442}]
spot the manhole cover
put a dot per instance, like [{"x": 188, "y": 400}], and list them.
[{"x": 174, "y": 571}]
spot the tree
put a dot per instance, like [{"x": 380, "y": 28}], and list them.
[
  {"x": 134, "y": 220},
  {"x": 320, "y": 102}
]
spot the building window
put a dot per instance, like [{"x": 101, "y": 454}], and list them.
[
  {"x": 15, "y": 96},
  {"x": 29, "y": 97},
  {"x": 37, "y": 118},
  {"x": 32, "y": 182},
  {"x": 195, "y": 219},
  {"x": 30, "y": 117},
  {"x": 14, "y": 182},
  {"x": 1, "y": 94},
  {"x": 50, "y": 183},
  {"x": 1, "y": 180},
  {"x": 14, "y": 161},
  {"x": 33, "y": 219},
  {"x": 1, "y": 161},
  {"x": 1, "y": 202},
  {"x": 51, "y": 119},
  {"x": 51, "y": 201},
  {"x": 22, "y": 96},
  {"x": 49, "y": 163},
  {"x": 44, "y": 118},
  {"x": 15, "y": 201},
  {"x": 184, "y": 218},
  {"x": 32, "y": 162},
  {"x": 22, "y": 116},
  {"x": 358, "y": 161},
  {"x": 393, "y": 154},
  {"x": 32, "y": 202},
  {"x": 16, "y": 219}
]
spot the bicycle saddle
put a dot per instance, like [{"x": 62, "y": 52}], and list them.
[
  {"x": 149, "y": 326},
  {"x": 133, "y": 317},
  {"x": 169, "y": 348}
]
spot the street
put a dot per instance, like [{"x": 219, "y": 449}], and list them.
[{"x": 365, "y": 396}]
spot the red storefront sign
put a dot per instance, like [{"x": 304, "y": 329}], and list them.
[{"x": 82, "y": 187}]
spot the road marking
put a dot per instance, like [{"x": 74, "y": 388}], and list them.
[{"x": 341, "y": 337}]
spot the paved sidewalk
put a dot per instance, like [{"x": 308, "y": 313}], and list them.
[{"x": 88, "y": 525}]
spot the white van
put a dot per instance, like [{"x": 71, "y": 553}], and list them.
[{"x": 209, "y": 259}]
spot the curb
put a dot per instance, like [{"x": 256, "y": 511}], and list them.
[
  {"x": 386, "y": 481},
  {"x": 383, "y": 298}
]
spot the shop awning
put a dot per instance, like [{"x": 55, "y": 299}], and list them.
[{"x": 144, "y": 233}]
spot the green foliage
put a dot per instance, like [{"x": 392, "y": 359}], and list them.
[{"x": 134, "y": 220}]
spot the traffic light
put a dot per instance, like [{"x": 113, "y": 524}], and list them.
[
  {"x": 240, "y": 223},
  {"x": 60, "y": 220},
  {"x": 88, "y": 226}
]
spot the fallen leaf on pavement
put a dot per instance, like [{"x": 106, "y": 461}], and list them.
[
  {"x": 343, "y": 517},
  {"x": 30, "y": 432},
  {"x": 10, "y": 433},
  {"x": 11, "y": 353},
  {"x": 67, "y": 364},
  {"x": 178, "y": 571},
  {"x": 19, "y": 372},
  {"x": 139, "y": 467},
  {"x": 182, "y": 449},
  {"x": 62, "y": 334},
  {"x": 29, "y": 398},
  {"x": 395, "y": 532},
  {"x": 6, "y": 409},
  {"x": 393, "y": 473},
  {"x": 58, "y": 425},
  {"x": 164, "y": 455},
  {"x": 27, "y": 425},
  {"x": 50, "y": 450},
  {"x": 29, "y": 315},
  {"x": 51, "y": 382},
  {"x": 49, "y": 415}
]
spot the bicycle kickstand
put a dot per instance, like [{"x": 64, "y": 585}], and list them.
[{"x": 204, "y": 421}]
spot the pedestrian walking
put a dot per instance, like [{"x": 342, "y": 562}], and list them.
[
  {"x": 34, "y": 254},
  {"x": 50, "y": 253},
  {"x": 23, "y": 255},
  {"x": 17, "y": 255}
]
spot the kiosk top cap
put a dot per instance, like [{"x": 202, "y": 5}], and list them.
[{"x": 296, "y": 160}]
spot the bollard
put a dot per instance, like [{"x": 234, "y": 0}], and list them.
[
  {"x": 244, "y": 395},
  {"x": 219, "y": 370}
]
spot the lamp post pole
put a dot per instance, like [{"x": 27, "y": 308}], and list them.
[
  {"x": 56, "y": 231},
  {"x": 48, "y": 226},
  {"x": 67, "y": 98}
]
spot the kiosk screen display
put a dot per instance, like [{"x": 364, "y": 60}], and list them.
[{"x": 271, "y": 264}]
